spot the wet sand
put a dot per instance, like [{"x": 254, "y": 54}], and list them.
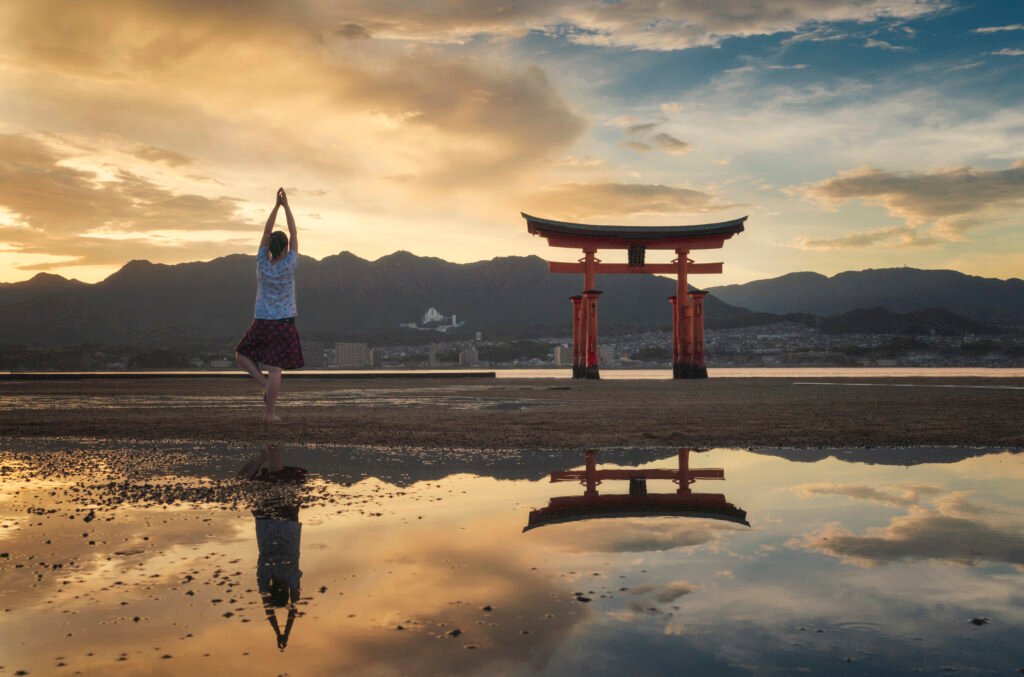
[{"x": 531, "y": 413}]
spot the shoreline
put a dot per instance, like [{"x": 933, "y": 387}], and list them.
[{"x": 510, "y": 413}]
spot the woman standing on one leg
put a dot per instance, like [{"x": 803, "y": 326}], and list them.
[{"x": 272, "y": 338}]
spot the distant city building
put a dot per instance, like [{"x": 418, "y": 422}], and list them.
[
  {"x": 479, "y": 336},
  {"x": 563, "y": 356},
  {"x": 433, "y": 320},
  {"x": 432, "y": 360},
  {"x": 317, "y": 354},
  {"x": 469, "y": 357},
  {"x": 351, "y": 355},
  {"x": 376, "y": 357}
]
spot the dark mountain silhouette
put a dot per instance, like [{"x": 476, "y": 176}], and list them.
[
  {"x": 881, "y": 321},
  {"x": 340, "y": 297},
  {"x": 898, "y": 290},
  {"x": 345, "y": 297}
]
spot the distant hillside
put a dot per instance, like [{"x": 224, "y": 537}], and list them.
[
  {"x": 881, "y": 321},
  {"x": 340, "y": 297},
  {"x": 898, "y": 290}
]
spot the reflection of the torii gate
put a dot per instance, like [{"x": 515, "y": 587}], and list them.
[{"x": 637, "y": 503}]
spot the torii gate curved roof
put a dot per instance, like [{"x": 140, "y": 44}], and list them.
[
  {"x": 701, "y": 236},
  {"x": 623, "y": 506}
]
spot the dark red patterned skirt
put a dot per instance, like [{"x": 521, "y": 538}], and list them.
[{"x": 272, "y": 342}]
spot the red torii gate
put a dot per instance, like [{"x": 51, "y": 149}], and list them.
[{"x": 687, "y": 306}]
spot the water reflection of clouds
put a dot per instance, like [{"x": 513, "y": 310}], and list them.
[
  {"x": 952, "y": 529},
  {"x": 897, "y": 496},
  {"x": 632, "y": 535},
  {"x": 941, "y": 543},
  {"x": 431, "y": 578}
]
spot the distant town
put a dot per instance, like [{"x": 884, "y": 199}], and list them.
[
  {"x": 786, "y": 344},
  {"x": 777, "y": 345}
]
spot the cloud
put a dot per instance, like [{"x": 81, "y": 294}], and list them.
[
  {"x": 1009, "y": 52},
  {"x": 638, "y": 146},
  {"x": 633, "y": 535},
  {"x": 584, "y": 200},
  {"x": 642, "y": 128},
  {"x": 966, "y": 66},
  {"x": 166, "y": 93},
  {"x": 923, "y": 534},
  {"x": 896, "y": 236},
  {"x": 154, "y": 154},
  {"x": 887, "y": 46},
  {"x": 665, "y": 594},
  {"x": 818, "y": 34},
  {"x": 61, "y": 209},
  {"x": 999, "y": 29},
  {"x": 901, "y": 497},
  {"x": 671, "y": 144},
  {"x": 438, "y": 115},
  {"x": 648, "y": 141},
  {"x": 954, "y": 200},
  {"x": 631, "y": 24},
  {"x": 954, "y": 528},
  {"x": 352, "y": 31}
]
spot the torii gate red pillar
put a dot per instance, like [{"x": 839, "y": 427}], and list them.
[
  {"x": 700, "y": 369},
  {"x": 591, "y": 368},
  {"x": 675, "y": 332},
  {"x": 682, "y": 348},
  {"x": 577, "y": 336}
]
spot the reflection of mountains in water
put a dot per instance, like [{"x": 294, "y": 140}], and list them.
[
  {"x": 906, "y": 456},
  {"x": 342, "y": 465},
  {"x": 401, "y": 467}
]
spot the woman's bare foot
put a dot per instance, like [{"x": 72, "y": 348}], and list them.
[{"x": 272, "y": 418}]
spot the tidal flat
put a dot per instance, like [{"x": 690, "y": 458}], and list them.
[
  {"x": 147, "y": 557},
  {"x": 531, "y": 413}
]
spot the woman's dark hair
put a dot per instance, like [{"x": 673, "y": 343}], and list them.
[{"x": 278, "y": 243}]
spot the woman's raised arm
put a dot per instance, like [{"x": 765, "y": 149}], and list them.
[
  {"x": 293, "y": 233},
  {"x": 271, "y": 220}
]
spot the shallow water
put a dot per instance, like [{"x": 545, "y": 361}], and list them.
[{"x": 127, "y": 560}]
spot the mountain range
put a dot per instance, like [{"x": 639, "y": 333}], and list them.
[
  {"x": 344, "y": 297},
  {"x": 898, "y": 290}
]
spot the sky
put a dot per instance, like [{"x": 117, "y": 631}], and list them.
[{"x": 868, "y": 134}]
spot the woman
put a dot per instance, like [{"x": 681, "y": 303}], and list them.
[{"x": 272, "y": 338}]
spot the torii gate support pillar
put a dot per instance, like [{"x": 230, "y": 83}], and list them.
[
  {"x": 683, "y": 358},
  {"x": 591, "y": 368},
  {"x": 698, "y": 367},
  {"x": 578, "y": 352}
]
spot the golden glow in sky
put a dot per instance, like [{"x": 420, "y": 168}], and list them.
[{"x": 852, "y": 134}]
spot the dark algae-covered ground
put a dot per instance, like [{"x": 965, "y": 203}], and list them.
[{"x": 532, "y": 413}]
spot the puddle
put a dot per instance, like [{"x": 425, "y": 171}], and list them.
[{"x": 156, "y": 559}]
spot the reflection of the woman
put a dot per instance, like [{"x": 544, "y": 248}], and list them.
[{"x": 278, "y": 535}]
